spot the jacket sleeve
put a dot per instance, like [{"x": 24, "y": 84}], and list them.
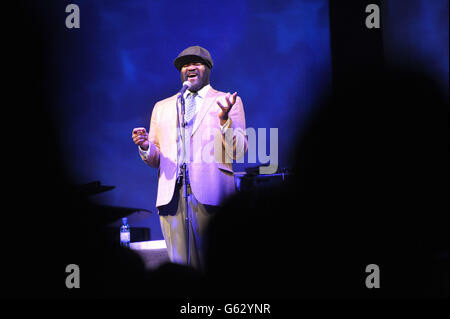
[
  {"x": 151, "y": 156},
  {"x": 233, "y": 136}
]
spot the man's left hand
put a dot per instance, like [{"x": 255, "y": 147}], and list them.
[{"x": 230, "y": 100}]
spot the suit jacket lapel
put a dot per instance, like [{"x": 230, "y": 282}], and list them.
[
  {"x": 173, "y": 116},
  {"x": 210, "y": 97}
]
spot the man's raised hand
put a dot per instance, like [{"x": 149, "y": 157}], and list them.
[
  {"x": 230, "y": 100},
  {"x": 140, "y": 137}
]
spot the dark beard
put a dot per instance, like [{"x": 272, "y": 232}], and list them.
[{"x": 198, "y": 86}]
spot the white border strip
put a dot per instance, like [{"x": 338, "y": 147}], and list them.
[{"x": 152, "y": 244}]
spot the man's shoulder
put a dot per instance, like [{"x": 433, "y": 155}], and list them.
[
  {"x": 160, "y": 105},
  {"x": 215, "y": 92},
  {"x": 170, "y": 99}
]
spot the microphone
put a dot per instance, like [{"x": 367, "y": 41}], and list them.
[{"x": 186, "y": 85}]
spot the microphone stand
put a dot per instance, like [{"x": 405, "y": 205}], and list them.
[{"x": 185, "y": 182}]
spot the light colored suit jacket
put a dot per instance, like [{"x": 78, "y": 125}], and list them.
[{"x": 212, "y": 150}]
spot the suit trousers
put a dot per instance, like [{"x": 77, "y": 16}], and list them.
[{"x": 173, "y": 226}]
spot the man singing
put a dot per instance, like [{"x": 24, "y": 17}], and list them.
[{"x": 214, "y": 137}]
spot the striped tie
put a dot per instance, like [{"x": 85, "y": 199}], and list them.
[{"x": 190, "y": 108}]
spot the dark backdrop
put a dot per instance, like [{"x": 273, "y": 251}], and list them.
[
  {"x": 113, "y": 69},
  {"x": 104, "y": 78}
]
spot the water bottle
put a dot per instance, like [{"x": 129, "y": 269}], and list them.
[{"x": 125, "y": 233}]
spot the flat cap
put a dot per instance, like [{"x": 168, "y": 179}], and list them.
[{"x": 193, "y": 54}]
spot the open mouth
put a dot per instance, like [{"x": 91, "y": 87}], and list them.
[{"x": 192, "y": 76}]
